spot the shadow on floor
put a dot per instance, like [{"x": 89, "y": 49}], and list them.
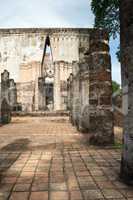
[
  {"x": 10, "y": 153},
  {"x": 17, "y": 145}
]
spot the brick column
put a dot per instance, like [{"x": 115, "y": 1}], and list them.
[
  {"x": 83, "y": 124},
  {"x": 12, "y": 93},
  {"x": 36, "y": 95},
  {"x": 41, "y": 94},
  {"x": 70, "y": 96},
  {"x": 126, "y": 18},
  {"x": 100, "y": 90},
  {"x": 5, "y": 101},
  {"x": 57, "y": 91},
  {"x": 0, "y": 108},
  {"x": 75, "y": 91}
]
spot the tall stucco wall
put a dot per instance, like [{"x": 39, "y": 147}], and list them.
[
  {"x": 22, "y": 46},
  {"x": 26, "y": 96}
]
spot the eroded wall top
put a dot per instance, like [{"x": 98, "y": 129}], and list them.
[{"x": 19, "y": 47}]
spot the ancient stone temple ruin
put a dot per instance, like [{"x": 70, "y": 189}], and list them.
[
  {"x": 42, "y": 82},
  {"x": 60, "y": 70}
]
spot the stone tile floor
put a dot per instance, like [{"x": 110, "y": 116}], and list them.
[{"x": 49, "y": 160}]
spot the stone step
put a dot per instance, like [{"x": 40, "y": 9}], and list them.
[{"x": 41, "y": 114}]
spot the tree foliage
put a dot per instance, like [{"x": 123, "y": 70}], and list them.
[
  {"x": 107, "y": 15},
  {"x": 115, "y": 87}
]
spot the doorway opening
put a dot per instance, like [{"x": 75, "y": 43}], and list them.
[
  {"x": 49, "y": 95},
  {"x": 47, "y": 72}
]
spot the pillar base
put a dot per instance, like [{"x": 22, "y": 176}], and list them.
[
  {"x": 126, "y": 173},
  {"x": 97, "y": 139},
  {"x": 101, "y": 127}
]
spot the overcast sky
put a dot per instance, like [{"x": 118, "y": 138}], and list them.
[{"x": 51, "y": 13}]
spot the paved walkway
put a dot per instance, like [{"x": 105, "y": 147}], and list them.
[{"x": 50, "y": 160}]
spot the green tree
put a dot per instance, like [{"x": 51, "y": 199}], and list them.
[
  {"x": 115, "y": 87},
  {"x": 107, "y": 16}
]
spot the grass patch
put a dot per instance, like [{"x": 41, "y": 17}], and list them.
[{"x": 118, "y": 145}]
